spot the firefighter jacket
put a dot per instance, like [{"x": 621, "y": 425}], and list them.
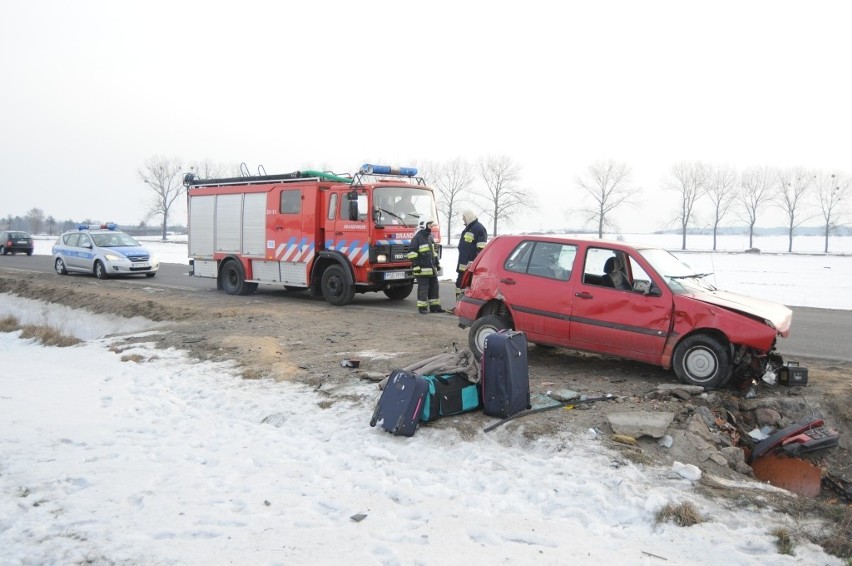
[
  {"x": 423, "y": 254},
  {"x": 473, "y": 239}
]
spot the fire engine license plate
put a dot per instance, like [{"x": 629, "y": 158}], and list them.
[{"x": 394, "y": 275}]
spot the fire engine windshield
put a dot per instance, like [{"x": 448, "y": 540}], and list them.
[{"x": 404, "y": 206}]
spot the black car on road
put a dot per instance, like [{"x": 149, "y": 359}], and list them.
[{"x": 14, "y": 241}]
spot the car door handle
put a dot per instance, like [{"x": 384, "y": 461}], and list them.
[
  {"x": 508, "y": 281},
  {"x": 584, "y": 295}
]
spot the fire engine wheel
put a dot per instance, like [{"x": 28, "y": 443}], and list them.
[
  {"x": 233, "y": 279},
  {"x": 100, "y": 270},
  {"x": 702, "y": 360},
  {"x": 399, "y": 293},
  {"x": 335, "y": 288},
  {"x": 481, "y": 329},
  {"x": 59, "y": 266}
]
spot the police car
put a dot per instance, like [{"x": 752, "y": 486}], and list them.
[{"x": 103, "y": 251}]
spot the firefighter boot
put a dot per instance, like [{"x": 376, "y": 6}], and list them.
[
  {"x": 423, "y": 310},
  {"x": 436, "y": 308}
]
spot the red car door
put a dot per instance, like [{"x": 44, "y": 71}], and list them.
[
  {"x": 536, "y": 282},
  {"x": 620, "y": 322}
]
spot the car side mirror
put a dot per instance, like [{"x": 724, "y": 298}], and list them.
[{"x": 646, "y": 288}]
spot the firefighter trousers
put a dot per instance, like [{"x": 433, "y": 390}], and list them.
[{"x": 427, "y": 294}]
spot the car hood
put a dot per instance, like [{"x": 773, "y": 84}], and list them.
[{"x": 777, "y": 314}]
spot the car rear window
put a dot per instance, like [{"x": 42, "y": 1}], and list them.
[{"x": 553, "y": 260}]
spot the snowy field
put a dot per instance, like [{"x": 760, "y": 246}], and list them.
[{"x": 169, "y": 460}]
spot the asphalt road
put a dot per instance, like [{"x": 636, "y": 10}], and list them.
[{"x": 816, "y": 333}]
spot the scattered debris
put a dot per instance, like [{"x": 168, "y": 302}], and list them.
[
  {"x": 687, "y": 471},
  {"x": 624, "y": 439},
  {"x": 641, "y": 423},
  {"x": 358, "y": 517},
  {"x": 793, "y": 474}
]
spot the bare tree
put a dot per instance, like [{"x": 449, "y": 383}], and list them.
[
  {"x": 206, "y": 169},
  {"x": 35, "y": 218},
  {"x": 501, "y": 176},
  {"x": 51, "y": 225},
  {"x": 791, "y": 185},
  {"x": 722, "y": 192},
  {"x": 608, "y": 183},
  {"x": 451, "y": 180},
  {"x": 689, "y": 180},
  {"x": 164, "y": 176},
  {"x": 755, "y": 190},
  {"x": 832, "y": 190}
]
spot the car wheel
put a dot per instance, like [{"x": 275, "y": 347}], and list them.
[
  {"x": 481, "y": 329},
  {"x": 3, "y": 250},
  {"x": 100, "y": 270},
  {"x": 30, "y": 252},
  {"x": 59, "y": 266},
  {"x": 399, "y": 293},
  {"x": 233, "y": 280},
  {"x": 335, "y": 287},
  {"x": 702, "y": 360}
]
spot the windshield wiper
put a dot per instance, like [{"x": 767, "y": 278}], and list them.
[
  {"x": 404, "y": 223},
  {"x": 690, "y": 276}
]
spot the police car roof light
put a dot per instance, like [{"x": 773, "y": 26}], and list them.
[
  {"x": 107, "y": 226},
  {"x": 370, "y": 169}
]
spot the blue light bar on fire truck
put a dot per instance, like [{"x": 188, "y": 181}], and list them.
[
  {"x": 107, "y": 226},
  {"x": 370, "y": 169}
]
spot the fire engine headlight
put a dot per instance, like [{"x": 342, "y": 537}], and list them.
[{"x": 381, "y": 258}]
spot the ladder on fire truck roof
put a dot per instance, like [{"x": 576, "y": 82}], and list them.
[{"x": 380, "y": 172}]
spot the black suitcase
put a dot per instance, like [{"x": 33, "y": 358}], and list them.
[
  {"x": 400, "y": 404},
  {"x": 505, "y": 374}
]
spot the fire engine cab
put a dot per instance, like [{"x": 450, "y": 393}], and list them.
[{"x": 335, "y": 235}]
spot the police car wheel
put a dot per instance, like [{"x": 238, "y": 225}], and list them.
[
  {"x": 59, "y": 266},
  {"x": 100, "y": 270}
]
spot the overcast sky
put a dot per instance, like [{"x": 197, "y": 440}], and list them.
[{"x": 91, "y": 89}]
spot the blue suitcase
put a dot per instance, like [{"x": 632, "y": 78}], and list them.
[
  {"x": 401, "y": 403},
  {"x": 505, "y": 374}
]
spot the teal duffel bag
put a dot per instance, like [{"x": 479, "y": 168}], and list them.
[{"x": 449, "y": 394}]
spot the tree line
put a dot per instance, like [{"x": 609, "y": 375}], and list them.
[
  {"x": 719, "y": 192},
  {"x": 704, "y": 195}
]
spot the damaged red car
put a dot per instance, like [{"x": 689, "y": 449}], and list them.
[{"x": 630, "y": 301}]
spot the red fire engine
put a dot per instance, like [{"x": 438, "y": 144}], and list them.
[{"x": 335, "y": 235}]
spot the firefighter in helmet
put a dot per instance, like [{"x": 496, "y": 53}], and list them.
[
  {"x": 473, "y": 239},
  {"x": 424, "y": 259}
]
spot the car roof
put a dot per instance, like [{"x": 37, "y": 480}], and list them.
[{"x": 588, "y": 241}]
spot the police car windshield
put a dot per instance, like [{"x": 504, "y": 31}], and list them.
[{"x": 113, "y": 240}]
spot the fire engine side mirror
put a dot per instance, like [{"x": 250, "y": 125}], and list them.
[{"x": 352, "y": 197}]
